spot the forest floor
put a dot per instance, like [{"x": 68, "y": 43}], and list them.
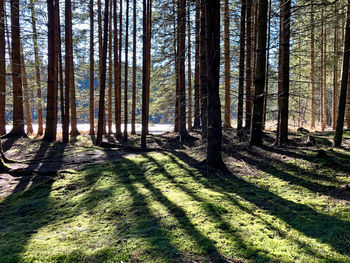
[{"x": 80, "y": 203}]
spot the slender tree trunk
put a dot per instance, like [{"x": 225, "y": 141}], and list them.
[
  {"x": 119, "y": 135},
  {"x": 37, "y": 70},
  {"x": 2, "y": 70},
  {"x": 227, "y": 118},
  {"x": 26, "y": 96},
  {"x": 176, "y": 52},
  {"x": 212, "y": 24},
  {"x": 285, "y": 58},
  {"x": 117, "y": 88},
  {"x": 249, "y": 65},
  {"x": 101, "y": 109},
  {"x": 203, "y": 73},
  {"x": 125, "y": 135},
  {"x": 197, "y": 122},
  {"x": 313, "y": 88},
  {"x": 144, "y": 73},
  {"x": 189, "y": 68},
  {"x": 241, "y": 69},
  {"x": 92, "y": 70},
  {"x": 323, "y": 79},
  {"x": 335, "y": 69},
  {"x": 110, "y": 73},
  {"x": 133, "y": 106},
  {"x": 344, "y": 81},
  {"x": 50, "y": 134},
  {"x": 148, "y": 54}
]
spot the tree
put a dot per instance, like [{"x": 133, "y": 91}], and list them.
[
  {"x": 125, "y": 135},
  {"x": 249, "y": 54},
  {"x": 117, "y": 71},
  {"x": 197, "y": 122},
  {"x": 92, "y": 70},
  {"x": 18, "y": 116},
  {"x": 283, "y": 95},
  {"x": 110, "y": 73},
  {"x": 313, "y": 88},
  {"x": 189, "y": 68},
  {"x": 241, "y": 69},
  {"x": 144, "y": 73},
  {"x": 2, "y": 70},
  {"x": 259, "y": 80},
  {"x": 335, "y": 69},
  {"x": 344, "y": 80},
  {"x": 133, "y": 106},
  {"x": 203, "y": 72},
  {"x": 101, "y": 107},
  {"x": 212, "y": 24},
  {"x": 227, "y": 118}
]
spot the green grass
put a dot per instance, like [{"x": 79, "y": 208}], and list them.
[{"x": 158, "y": 207}]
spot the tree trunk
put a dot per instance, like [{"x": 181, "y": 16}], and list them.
[
  {"x": 259, "y": 80},
  {"x": 117, "y": 88},
  {"x": 101, "y": 109},
  {"x": 92, "y": 70},
  {"x": 125, "y": 135},
  {"x": 212, "y": 24},
  {"x": 283, "y": 95},
  {"x": 203, "y": 73},
  {"x": 133, "y": 106},
  {"x": 2, "y": 69},
  {"x": 148, "y": 54},
  {"x": 176, "y": 52},
  {"x": 197, "y": 122},
  {"x": 241, "y": 69},
  {"x": 189, "y": 68},
  {"x": 144, "y": 73},
  {"x": 50, "y": 134},
  {"x": 335, "y": 69},
  {"x": 323, "y": 75},
  {"x": 249, "y": 54},
  {"x": 110, "y": 73},
  {"x": 227, "y": 118},
  {"x": 313, "y": 88},
  {"x": 344, "y": 81}
]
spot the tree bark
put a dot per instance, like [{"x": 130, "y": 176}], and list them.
[
  {"x": 133, "y": 106},
  {"x": 189, "y": 68},
  {"x": 110, "y": 73},
  {"x": 92, "y": 71},
  {"x": 144, "y": 73},
  {"x": 344, "y": 80},
  {"x": 203, "y": 73},
  {"x": 197, "y": 122},
  {"x": 335, "y": 70},
  {"x": 148, "y": 54},
  {"x": 212, "y": 24},
  {"x": 313, "y": 88},
  {"x": 249, "y": 54},
  {"x": 2, "y": 69},
  {"x": 117, "y": 70},
  {"x": 260, "y": 75},
  {"x": 227, "y": 118},
  {"x": 323, "y": 75},
  {"x": 125, "y": 135}
]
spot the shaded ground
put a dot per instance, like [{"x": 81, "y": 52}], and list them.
[{"x": 288, "y": 204}]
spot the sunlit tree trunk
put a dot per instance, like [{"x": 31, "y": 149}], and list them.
[
  {"x": 176, "y": 69},
  {"x": 125, "y": 135},
  {"x": 227, "y": 118},
  {"x": 117, "y": 88},
  {"x": 144, "y": 73},
  {"x": 2, "y": 69},
  {"x": 92, "y": 70},
  {"x": 323, "y": 79},
  {"x": 313, "y": 88},
  {"x": 335, "y": 69},
  {"x": 148, "y": 54},
  {"x": 110, "y": 73},
  {"x": 249, "y": 54},
  {"x": 189, "y": 69},
  {"x": 133, "y": 106}
]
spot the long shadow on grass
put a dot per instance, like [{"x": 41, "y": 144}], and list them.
[
  {"x": 23, "y": 214},
  {"x": 325, "y": 228}
]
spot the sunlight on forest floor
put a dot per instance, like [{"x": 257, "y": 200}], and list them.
[{"x": 161, "y": 207}]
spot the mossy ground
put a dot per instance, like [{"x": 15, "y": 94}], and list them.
[{"x": 163, "y": 207}]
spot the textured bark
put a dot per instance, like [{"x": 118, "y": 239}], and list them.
[
  {"x": 283, "y": 95},
  {"x": 50, "y": 134},
  {"x": 117, "y": 88},
  {"x": 144, "y": 73},
  {"x": 323, "y": 77},
  {"x": 26, "y": 96},
  {"x": 344, "y": 80},
  {"x": 203, "y": 73},
  {"x": 148, "y": 54},
  {"x": 110, "y": 73},
  {"x": 313, "y": 88},
  {"x": 249, "y": 54},
  {"x": 212, "y": 24},
  {"x": 118, "y": 125},
  {"x": 101, "y": 108},
  {"x": 133, "y": 106},
  {"x": 125, "y": 134},
  {"x": 241, "y": 68},
  {"x": 227, "y": 118},
  {"x": 259, "y": 79},
  {"x": 189, "y": 69},
  {"x": 177, "y": 96},
  {"x": 92, "y": 71},
  {"x": 2, "y": 69},
  {"x": 335, "y": 69},
  {"x": 197, "y": 121}
]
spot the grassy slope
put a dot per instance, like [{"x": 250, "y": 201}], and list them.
[{"x": 157, "y": 208}]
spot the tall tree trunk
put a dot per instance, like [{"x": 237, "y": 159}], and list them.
[
  {"x": 176, "y": 52},
  {"x": 92, "y": 70},
  {"x": 212, "y": 24},
  {"x": 260, "y": 75},
  {"x": 197, "y": 122},
  {"x": 50, "y": 134},
  {"x": 144, "y": 73},
  {"x": 26, "y": 96},
  {"x": 110, "y": 73},
  {"x": 335, "y": 69},
  {"x": 101, "y": 108},
  {"x": 148, "y": 54},
  {"x": 241, "y": 69},
  {"x": 266, "y": 91},
  {"x": 133, "y": 106},
  {"x": 37, "y": 70},
  {"x": 189, "y": 68},
  {"x": 227, "y": 118},
  {"x": 117, "y": 65},
  {"x": 285, "y": 58},
  {"x": 344, "y": 81},
  {"x": 125, "y": 135},
  {"x": 203, "y": 73},
  {"x": 2, "y": 69},
  {"x": 181, "y": 19},
  {"x": 313, "y": 88},
  {"x": 323, "y": 79},
  {"x": 249, "y": 54}
]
